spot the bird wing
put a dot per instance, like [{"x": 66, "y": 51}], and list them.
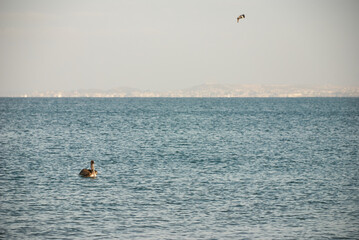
[{"x": 239, "y": 17}]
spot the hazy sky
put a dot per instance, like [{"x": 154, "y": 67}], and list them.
[{"x": 165, "y": 45}]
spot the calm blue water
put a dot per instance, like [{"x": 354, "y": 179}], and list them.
[{"x": 180, "y": 168}]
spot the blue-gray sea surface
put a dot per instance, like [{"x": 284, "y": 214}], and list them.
[{"x": 182, "y": 168}]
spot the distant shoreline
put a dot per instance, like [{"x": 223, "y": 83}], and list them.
[
  {"x": 176, "y": 97},
  {"x": 205, "y": 91}
]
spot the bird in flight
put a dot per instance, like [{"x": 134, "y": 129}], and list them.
[{"x": 240, "y": 16}]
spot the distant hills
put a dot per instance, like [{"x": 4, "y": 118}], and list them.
[{"x": 211, "y": 90}]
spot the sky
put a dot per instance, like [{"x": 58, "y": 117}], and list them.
[{"x": 162, "y": 45}]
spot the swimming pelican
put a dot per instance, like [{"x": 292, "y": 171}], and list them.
[
  {"x": 89, "y": 172},
  {"x": 240, "y": 16}
]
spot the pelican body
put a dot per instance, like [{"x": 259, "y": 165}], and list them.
[{"x": 89, "y": 172}]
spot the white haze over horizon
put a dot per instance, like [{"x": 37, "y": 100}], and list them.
[{"x": 165, "y": 45}]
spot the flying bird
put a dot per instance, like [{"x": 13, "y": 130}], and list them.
[{"x": 240, "y": 16}]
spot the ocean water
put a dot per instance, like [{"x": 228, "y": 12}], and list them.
[{"x": 186, "y": 168}]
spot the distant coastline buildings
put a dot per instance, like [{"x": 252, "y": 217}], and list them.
[{"x": 211, "y": 90}]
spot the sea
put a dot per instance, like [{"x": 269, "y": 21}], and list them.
[{"x": 179, "y": 168}]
